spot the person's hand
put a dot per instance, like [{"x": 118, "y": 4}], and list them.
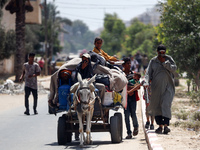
[
  {"x": 20, "y": 79},
  {"x": 33, "y": 75},
  {"x": 51, "y": 104}
]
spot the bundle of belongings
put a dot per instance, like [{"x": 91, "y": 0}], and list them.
[{"x": 114, "y": 80}]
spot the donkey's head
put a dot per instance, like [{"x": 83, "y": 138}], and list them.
[{"x": 85, "y": 92}]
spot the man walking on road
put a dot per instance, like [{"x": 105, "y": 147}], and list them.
[
  {"x": 160, "y": 72},
  {"x": 30, "y": 70}
]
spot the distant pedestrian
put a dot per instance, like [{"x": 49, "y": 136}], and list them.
[
  {"x": 41, "y": 64},
  {"x": 134, "y": 63},
  {"x": 145, "y": 61},
  {"x": 160, "y": 72},
  {"x": 30, "y": 71},
  {"x": 138, "y": 57}
]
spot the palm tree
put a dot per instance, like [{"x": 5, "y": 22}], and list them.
[{"x": 18, "y": 7}]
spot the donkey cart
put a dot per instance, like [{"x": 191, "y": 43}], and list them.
[{"x": 68, "y": 123}]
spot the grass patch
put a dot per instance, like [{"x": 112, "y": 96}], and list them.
[{"x": 182, "y": 115}]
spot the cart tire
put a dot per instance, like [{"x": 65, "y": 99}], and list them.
[
  {"x": 68, "y": 134},
  {"x": 114, "y": 129},
  {"x": 61, "y": 131},
  {"x": 119, "y": 115}
]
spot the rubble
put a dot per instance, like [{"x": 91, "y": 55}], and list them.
[{"x": 11, "y": 88}]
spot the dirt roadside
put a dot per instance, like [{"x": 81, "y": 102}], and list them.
[{"x": 179, "y": 138}]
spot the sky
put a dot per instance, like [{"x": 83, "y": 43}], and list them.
[{"x": 92, "y": 12}]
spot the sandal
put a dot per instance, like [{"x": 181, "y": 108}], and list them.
[
  {"x": 158, "y": 130},
  {"x": 135, "y": 131},
  {"x": 166, "y": 130}
]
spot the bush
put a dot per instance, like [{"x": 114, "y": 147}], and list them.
[
  {"x": 196, "y": 116},
  {"x": 182, "y": 115},
  {"x": 195, "y": 97}
]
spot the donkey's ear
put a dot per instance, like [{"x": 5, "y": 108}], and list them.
[
  {"x": 92, "y": 80},
  {"x": 79, "y": 77},
  {"x": 74, "y": 87},
  {"x": 92, "y": 88}
]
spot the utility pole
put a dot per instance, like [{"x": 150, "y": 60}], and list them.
[{"x": 46, "y": 50}]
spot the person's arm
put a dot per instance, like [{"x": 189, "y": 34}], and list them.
[
  {"x": 108, "y": 57},
  {"x": 170, "y": 64},
  {"x": 148, "y": 74},
  {"x": 22, "y": 76},
  {"x": 130, "y": 91}
]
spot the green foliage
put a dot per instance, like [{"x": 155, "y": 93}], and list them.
[
  {"x": 54, "y": 28},
  {"x": 7, "y": 43},
  {"x": 140, "y": 37},
  {"x": 113, "y": 34},
  {"x": 196, "y": 116},
  {"x": 179, "y": 31},
  {"x": 195, "y": 97},
  {"x": 79, "y": 37},
  {"x": 182, "y": 115},
  {"x": 32, "y": 38}
]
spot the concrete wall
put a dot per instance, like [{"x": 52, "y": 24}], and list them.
[
  {"x": 7, "y": 66},
  {"x": 8, "y": 19},
  {"x": 34, "y": 17}
]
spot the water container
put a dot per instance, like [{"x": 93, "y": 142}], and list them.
[{"x": 63, "y": 95}]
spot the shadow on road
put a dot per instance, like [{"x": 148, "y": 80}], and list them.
[{"x": 75, "y": 144}]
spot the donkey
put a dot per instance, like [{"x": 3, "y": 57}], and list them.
[{"x": 83, "y": 101}]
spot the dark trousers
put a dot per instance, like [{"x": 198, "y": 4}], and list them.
[
  {"x": 28, "y": 91},
  {"x": 160, "y": 120},
  {"x": 131, "y": 110}
]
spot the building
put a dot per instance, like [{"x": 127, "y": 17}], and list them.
[{"x": 8, "y": 22}]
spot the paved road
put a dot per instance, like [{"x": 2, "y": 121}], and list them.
[{"x": 39, "y": 132}]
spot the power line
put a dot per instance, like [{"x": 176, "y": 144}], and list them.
[
  {"x": 96, "y": 7},
  {"x": 78, "y": 4}
]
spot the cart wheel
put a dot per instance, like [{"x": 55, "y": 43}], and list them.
[
  {"x": 119, "y": 115},
  {"x": 61, "y": 131},
  {"x": 114, "y": 129},
  {"x": 68, "y": 134}
]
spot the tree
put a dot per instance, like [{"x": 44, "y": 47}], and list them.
[
  {"x": 18, "y": 7},
  {"x": 140, "y": 37},
  {"x": 113, "y": 34},
  {"x": 54, "y": 27},
  {"x": 79, "y": 37},
  {"x": 7, "y": 43},
  {"x": 179, "y": 31}
]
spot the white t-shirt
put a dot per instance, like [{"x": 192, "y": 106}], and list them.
[{"x": 30, "y": 70}]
